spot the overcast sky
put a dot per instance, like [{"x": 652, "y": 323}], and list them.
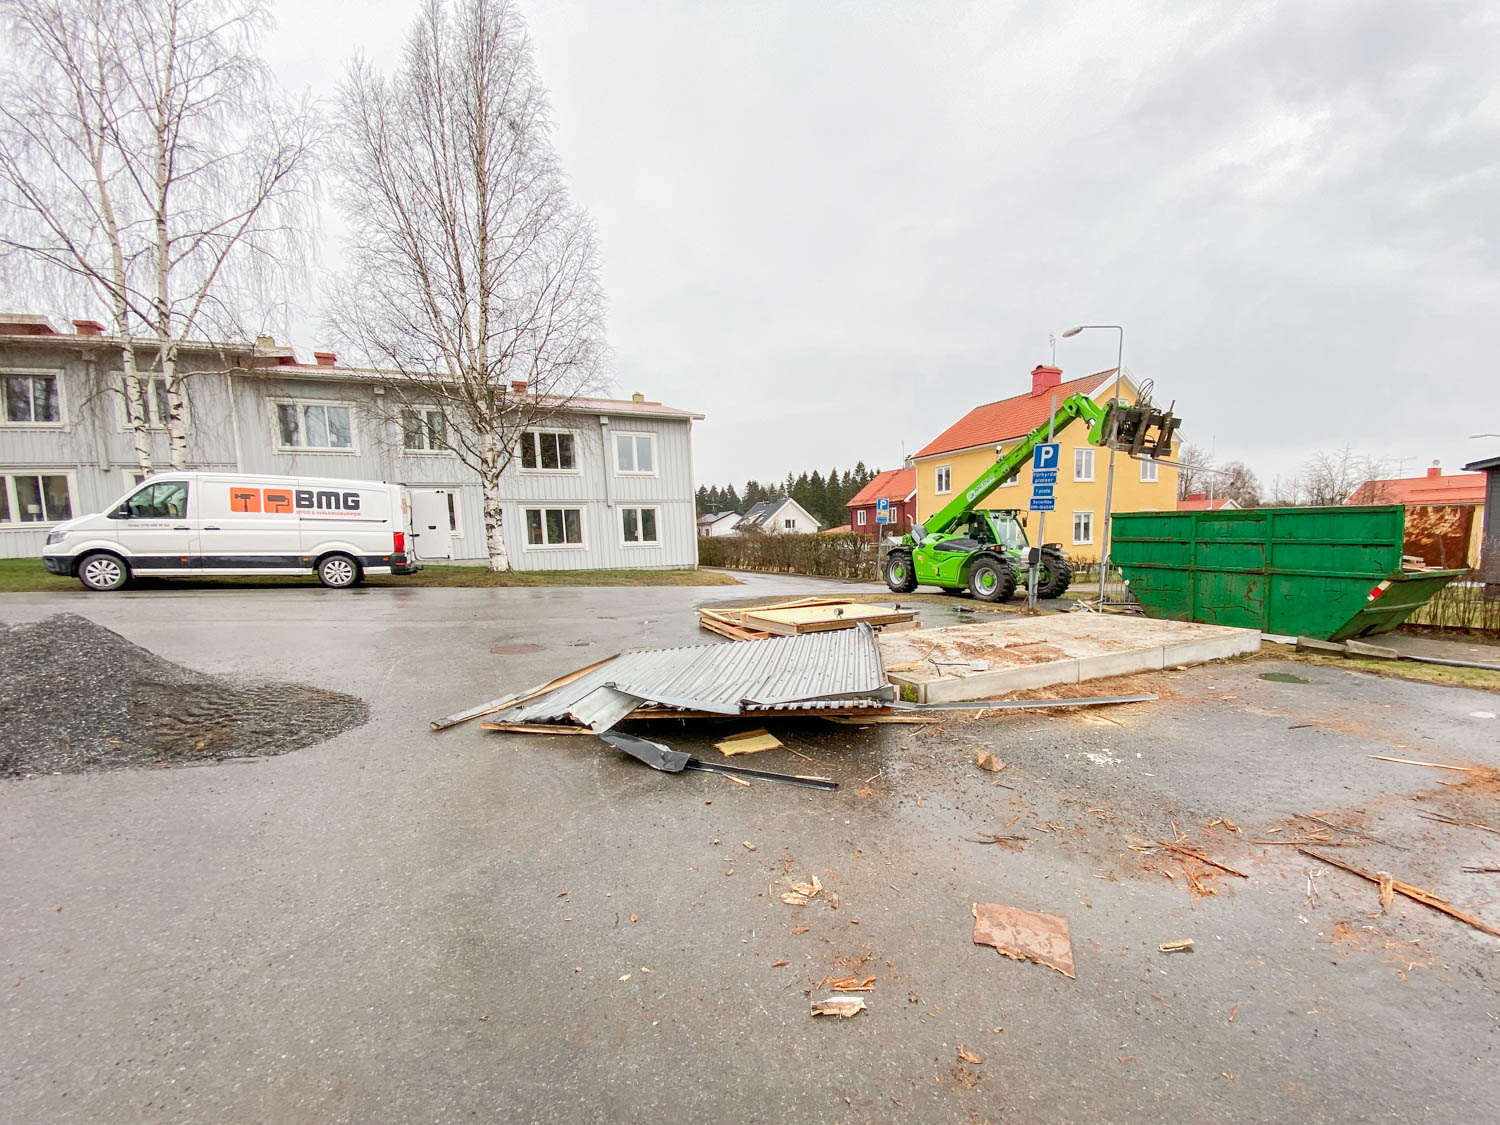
[{"x": 834, "y": 228}]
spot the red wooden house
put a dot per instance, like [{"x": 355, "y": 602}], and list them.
[{"x": 899, "y": 487}]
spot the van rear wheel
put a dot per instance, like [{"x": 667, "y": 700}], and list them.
[
  {"x": 103, "y": 572},
  {"x": 338, "y": 571}
]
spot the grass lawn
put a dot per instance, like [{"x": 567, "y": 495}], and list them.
[
  {"x": 1479, "y": 678},
  {"x": 27, "y": 576}
]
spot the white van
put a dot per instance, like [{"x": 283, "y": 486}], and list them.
[{"x": 184, "y": 525}]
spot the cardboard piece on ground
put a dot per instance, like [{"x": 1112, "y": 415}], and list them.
[
  {"x": 1025, "y": 935},
  {"x": 751, "y": 742}
]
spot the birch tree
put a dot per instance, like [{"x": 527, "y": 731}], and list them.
[
  {"x": 473, "y": 277},
  {"x": 149, "y": 158}
]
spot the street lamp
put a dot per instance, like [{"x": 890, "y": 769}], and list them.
[{"x": 1109, "y": 480}]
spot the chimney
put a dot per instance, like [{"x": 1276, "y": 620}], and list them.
[
  {"x": 88, "y": 328},
  {"x": 637, "y": 397},
  {"x": 326, "y": 359},
  {"x": 1435, "y": 469},
  {"x": 518, "y": 386},
  {"x": 1044, "y": 378},
  {"x": 267, "y": 342}
]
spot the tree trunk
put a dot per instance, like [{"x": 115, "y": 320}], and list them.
[
  {"x": 135, "y": 406},
  {"x": 177, "y": 425},
  {"x": 494, "y": 523}
]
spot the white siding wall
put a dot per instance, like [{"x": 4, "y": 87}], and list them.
[{"x": 234, "y": 427}]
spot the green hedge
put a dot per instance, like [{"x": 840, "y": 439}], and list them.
[{"x": 829, "y": 556}]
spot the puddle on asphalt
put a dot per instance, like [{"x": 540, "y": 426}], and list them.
[{"x": 1285, "y": 678}]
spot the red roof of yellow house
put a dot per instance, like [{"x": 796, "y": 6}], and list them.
[
  {"x": 1010, "y": 417},
  {"x": 1199, "y": 502},
  {"x": 893, "y": 484},
  {"x": 1434, "y": 488}
]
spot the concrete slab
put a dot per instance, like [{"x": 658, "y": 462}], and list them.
[{"x": 1017, "y": 654}]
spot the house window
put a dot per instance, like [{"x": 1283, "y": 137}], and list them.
[
  {"x": 1083, "y": 527},
  {"x": 423, "y": 430},
  {"x": 548, "y": 451},
  {"x": 638, "y": 527},
  {"x": 859, "y": 517},
  {"x": 453, "y": 513},
  {"x": 315, "y": 426},
  {"x": 31, "y": 400},
  {"x": 554, "y": 527},
  {"x": 635, "y": 453},
  {"x": 1148, "y": 471},
  {"x": 943, "y": 479},
  {"x": 789, "y": 524},
  {"x": 39, "y": 498},
  {"x": 1083, "y": 464}
]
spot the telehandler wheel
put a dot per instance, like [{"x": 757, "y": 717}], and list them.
[
  {"x": 1054, "y": 577},
  {"x": 992, "y": 580},
  {"x": 900, "y": 575}
]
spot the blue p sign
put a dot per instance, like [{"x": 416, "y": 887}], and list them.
[{"x": 1044, "y": 456}]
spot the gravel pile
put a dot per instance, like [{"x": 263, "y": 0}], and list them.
[{"x": 76, "y": 697}]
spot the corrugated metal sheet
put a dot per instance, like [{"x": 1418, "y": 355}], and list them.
[{"x": 813, "y": 671}]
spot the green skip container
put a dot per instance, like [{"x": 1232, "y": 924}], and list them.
[{"x": 1330, "y": 573}]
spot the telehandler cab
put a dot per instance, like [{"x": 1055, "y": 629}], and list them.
[{"x": 984, "y": 551}]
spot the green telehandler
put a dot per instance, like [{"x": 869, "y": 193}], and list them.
[{"x": 985, "y": 551}]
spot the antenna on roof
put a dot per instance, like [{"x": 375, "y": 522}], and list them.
[{"x": 1052, "y": 339}]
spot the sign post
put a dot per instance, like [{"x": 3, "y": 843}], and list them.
[
  {"x": 882, "y": 515},
  {"x": 1043, "y": 480}
]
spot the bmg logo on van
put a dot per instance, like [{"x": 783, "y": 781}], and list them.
[{"x": 285, "y": 501}]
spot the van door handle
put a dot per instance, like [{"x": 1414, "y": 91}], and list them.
[
  {"x": 205, "y": 529},
  {"x": 182, "y": 529}
]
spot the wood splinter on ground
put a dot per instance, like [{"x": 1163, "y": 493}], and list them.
[
  {"x": 803, "y": 893},
  {"x": 1024, "y": 935},
  {"x": 1200, "y": 857},
  {"x": 750, "y": 742},
  {"x": 988, "y": 761},
  {"x": 845, "y": 1007},
  {"x": 1416, "y": 894},
  {"x": 1184, "y": 945}
]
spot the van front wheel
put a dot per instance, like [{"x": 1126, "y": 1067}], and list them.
[
  {"x": 102, "y": 572},
  {"x": 338, "y": 571}
]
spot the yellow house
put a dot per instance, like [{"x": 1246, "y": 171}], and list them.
[{"x": 947, "y": 464}]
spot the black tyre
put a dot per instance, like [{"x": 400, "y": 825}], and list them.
[
  {"x": 103, "y": 572},
  {"x": 900, "y": 574},
  {"x": 1054, "y": 577},
  {"x": 992, "y": 579},
  {"x": 338, "y": 571}
]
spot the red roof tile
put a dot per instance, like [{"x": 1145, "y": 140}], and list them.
[
  {"x": 1010, "y": 417},
  {"x": 893, "y": 484},
  {"x": 1455, "y": 488},
  {"x": 1202, "y": 504}
]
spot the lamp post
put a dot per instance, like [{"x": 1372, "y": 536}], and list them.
[{"x": 1109, "y": 480}]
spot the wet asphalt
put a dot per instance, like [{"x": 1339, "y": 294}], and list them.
[{"x": 397, "y": 925}]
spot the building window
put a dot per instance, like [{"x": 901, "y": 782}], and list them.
[
  {"x": 315, "y": 426},
  {"x": 1148, "y": 471},
  {"x": 638, "y": 527},
  {"x": 39, "y": 498},
  {"x": 635, "y": 453},
  {"x": 423, "y": 430},
  {"x": 1083, "y": 527},
  {"x": 453, "y": 513},
  {"x": 548, "y": 451},
  {"x": 1083, "y": 464},
  {"x": 31, "y": 400},
  {"x": 554, "y": 527},
  {"x": 943, "y": 480},
  {"x": 859, "y": 517},
  {"x": 789, "y": 524}
]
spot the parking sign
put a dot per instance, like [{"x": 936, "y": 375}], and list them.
[{"x": 1045, "y": 455}]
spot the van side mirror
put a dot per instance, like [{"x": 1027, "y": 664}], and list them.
[{"x": 120, "y": 513}]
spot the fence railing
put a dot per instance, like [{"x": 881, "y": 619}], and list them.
[
  {"x": 827, "y": 556},
  {"x": 1462, "y": 604}
]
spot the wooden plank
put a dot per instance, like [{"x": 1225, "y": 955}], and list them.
[
  {"x": 534, "y": 728},
  {"x": 505, "y": 704},
  {"x": 816, "y": 619}
]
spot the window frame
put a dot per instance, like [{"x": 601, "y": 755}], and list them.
[
  {"x": 583, "y": 530},
  {"x": 12, "y": 498},
  {"x": 302, "y": 404},
  {"x": 942, "y": 480},
  {"x": 1155, "y": 471},
  {"x": 614, "y": 445},
  {"x": 53, "y": 373},
  {"x": 638, "y": 509},
  {"x": 1078, "y": 478},
  {"x": 1089, "y": 542},
  {"x": 859, "y": 517},
  {"x": 576, "y": 470},
  {"x": 425, "y": 429},
  {"x": 122, "y": 413}
]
